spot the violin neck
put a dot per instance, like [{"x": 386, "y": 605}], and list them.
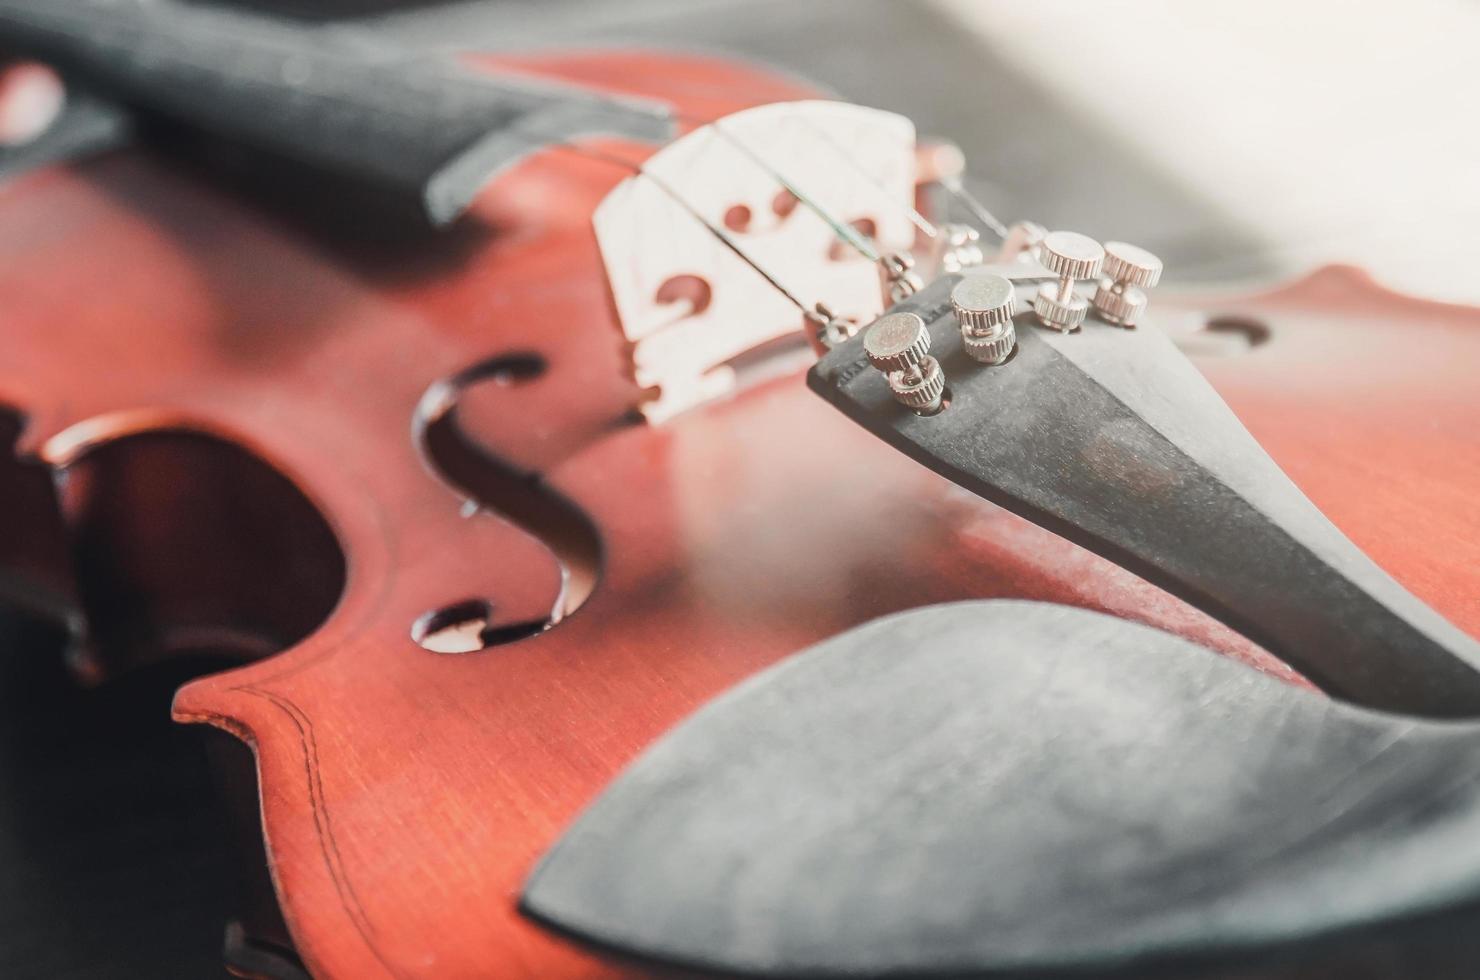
[{"x": 424, "y": 129}]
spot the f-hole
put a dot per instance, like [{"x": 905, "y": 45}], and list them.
[
  {"x": 183, "y": 543},
  {"x": 1224, "y": 336},
  {"x": 468, "y": 624},
  {"x": 164, "y": 554}
]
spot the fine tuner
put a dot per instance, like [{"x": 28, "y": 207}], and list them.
[
  {"x": 716, "y": 243},
  {"x": 985, "y": 303}
]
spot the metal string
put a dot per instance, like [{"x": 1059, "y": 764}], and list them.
[
  {"x": 841, "y": 229},
  {"x": 959, "y": 191},
  {"x": 692, "y": 212},
  {"x": 916, "y": 218},
  {"x": 952, "y": 185}
]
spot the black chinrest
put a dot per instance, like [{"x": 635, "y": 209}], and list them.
[{"x": 1013, "y": 787}]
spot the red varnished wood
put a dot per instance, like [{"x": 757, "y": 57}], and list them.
[
  {"x": 1367, "y": 398},
  {"x": 406, "y": 794}
]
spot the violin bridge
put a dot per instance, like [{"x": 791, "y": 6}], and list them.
[{"x": 688, "y": 305}]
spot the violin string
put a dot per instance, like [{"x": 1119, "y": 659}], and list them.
[
  {"x": 846, "y": 232},
  {"x": 693, "y": 212},
  {"x": 958, "y": 190},
  {"x": 953, "y": 185},
  {"x": 916, "y": 218},
  {"x": 841, "y": 230}
]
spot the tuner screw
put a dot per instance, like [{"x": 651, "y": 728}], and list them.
[
  {"x": 826, "y": 329},
  {"x": 898, "y": 345},
  {"x": 961, "y": 247},
  {"x": 900, "y": 280},
  {"x": 1119, "y": 299},
  {"x": 1070, "y": 256},
  {"x": 984, "y": 303}
]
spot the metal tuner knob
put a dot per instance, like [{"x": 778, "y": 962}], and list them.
[
  {"x": 898, "y": 277},
  {"x": 1070, "y": 256},
  {"x": 1119, "y": 299},
  {"x": 898, "y": 344},
  {"x": 961, "y": 248},
  {"x": 984, "y": 303}
]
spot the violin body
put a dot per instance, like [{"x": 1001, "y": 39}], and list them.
[{"x": 266, "y": 431}]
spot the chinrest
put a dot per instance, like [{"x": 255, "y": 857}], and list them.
[{"x": 1007, "y": 786}]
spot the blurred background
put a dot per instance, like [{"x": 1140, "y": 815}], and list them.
[
  {"x": 1244, "y": 143},
  {"x": 1236, "y": 140}
]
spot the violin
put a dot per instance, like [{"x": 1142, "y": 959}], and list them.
[{"x": 689, "y": 551}]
